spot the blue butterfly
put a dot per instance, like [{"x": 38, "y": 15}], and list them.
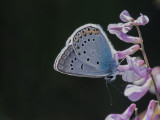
[{"x": 88, "y": 53}]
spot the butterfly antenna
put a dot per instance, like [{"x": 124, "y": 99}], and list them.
[{"x": 110, "y": 97}]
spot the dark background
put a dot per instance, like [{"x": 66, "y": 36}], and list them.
[{"x": 33, "y": 33}]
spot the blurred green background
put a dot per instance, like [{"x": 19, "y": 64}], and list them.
[{"x": 32, "y": 34}]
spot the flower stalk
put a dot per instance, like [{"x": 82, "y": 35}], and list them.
[{"x": 147, "y": 63}]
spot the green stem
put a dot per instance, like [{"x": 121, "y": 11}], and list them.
[{"x": 147, "y": 63}]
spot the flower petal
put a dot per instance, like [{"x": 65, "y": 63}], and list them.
[
  {"x": 115, "y": 28},
  {"x": 127, "y": 38},
  {"x": 127, "y": 27},
  {"x": 130, "y": 76},
  {"x": 129, "y": 51},
  {"x": 156, "y": 70},
  {"x": 125, "y": 16},
  {"x": 124, "y": 68},
  {"x": 134, "y": 92},
  {"x": 156, "y": 75},
  {"x": 142, "y": 20},
  {"x": 141, "y": 71},
  {"x": 124, "y": 116},
  {"x": 129, "y": 111},
  {"x": 150, "y": 110},
  {"x": 121, "y": 29},
  {"x": 140, "y": 82}
]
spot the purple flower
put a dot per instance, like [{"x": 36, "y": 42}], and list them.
[
  {"x": 127, "y": 38},
  {"x": 142, "y": 20},
  {"x": 129, "y": 51},
  {"x": 127, "y": 27},
  {"x": 121, "y": 29},
  {"x": 156, "y": 75},
  {"x": 135, "y": 71},
  {"x": 124, "y": 116},
  {"x": 124, "y": 68},
  {"x": 115, "y": 28},
  {"x": 134, "y": 92},
  {"x": 125, "y": 16},
  {"x": 140, "y": 82},
  {"x": 129, "y": 111},
  {"x": 150, "y": 110}
]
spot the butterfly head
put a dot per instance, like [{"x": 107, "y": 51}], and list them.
[{"x": 110, "y": 78}]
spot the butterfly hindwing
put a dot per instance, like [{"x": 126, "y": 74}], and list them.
[{"x": 67, "y": 62}]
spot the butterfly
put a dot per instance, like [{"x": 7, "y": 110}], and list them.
[{"x": 88, "y": 53}]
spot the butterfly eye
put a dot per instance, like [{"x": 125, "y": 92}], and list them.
[{"x": 110, "y": 77}]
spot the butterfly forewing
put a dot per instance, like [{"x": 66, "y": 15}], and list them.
[{"x": 67, "y": 62}]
